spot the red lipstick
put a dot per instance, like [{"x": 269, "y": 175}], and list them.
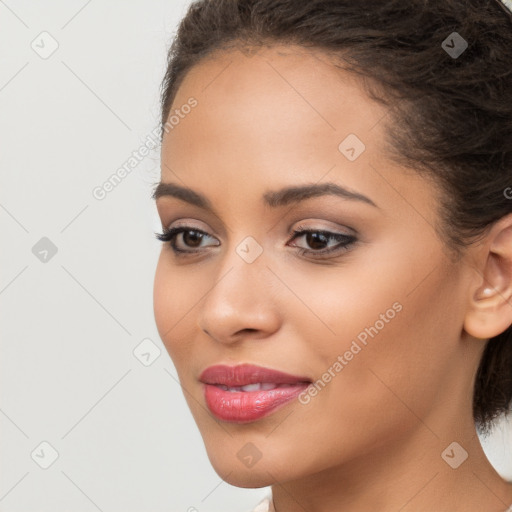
[{"x": 246, "y": 392}]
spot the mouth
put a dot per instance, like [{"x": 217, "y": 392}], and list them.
[
  {"x": 244, "y": 375},
  {"x": 257, "y": 386},
  {"x": 246, "y": 393}
]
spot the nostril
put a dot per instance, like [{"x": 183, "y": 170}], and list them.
[{"x": 247, "y": 330}]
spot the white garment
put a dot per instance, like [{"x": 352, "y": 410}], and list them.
[{"x": 263, "y": 505}]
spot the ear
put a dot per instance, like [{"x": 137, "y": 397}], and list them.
[{"x": 490, "y": 303}]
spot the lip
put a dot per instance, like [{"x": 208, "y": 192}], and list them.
[
  {"x": 244, "y": 374},
  {"x": 248, "y": 406}
]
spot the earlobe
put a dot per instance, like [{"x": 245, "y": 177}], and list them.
[{"x": 490, "y": 305}]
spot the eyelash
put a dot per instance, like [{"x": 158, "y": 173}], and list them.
[{"x": 346, "y": 241}]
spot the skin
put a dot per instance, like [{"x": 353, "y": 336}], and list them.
[{"x": 373, "y": 437}]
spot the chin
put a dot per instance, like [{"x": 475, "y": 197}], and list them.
[{"x": 249, "y": 478}]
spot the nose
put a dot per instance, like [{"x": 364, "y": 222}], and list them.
[{"x": 241, "y": 302}]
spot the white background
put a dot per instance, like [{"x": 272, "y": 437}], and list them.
[{"x": 125, "y": 438}]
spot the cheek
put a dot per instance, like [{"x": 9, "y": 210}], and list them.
[
  {"x": 172, "y": 306},
  {"x": 402, "y": 370},
  {"x": 163, "y": 305},
  {"x": 395, "y": 325}
]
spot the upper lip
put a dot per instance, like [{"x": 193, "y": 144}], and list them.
[{"x": 244, "y": 374}]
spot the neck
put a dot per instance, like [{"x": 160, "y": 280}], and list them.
[{"x": 410, "y": 474}]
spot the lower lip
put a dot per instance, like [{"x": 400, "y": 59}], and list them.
[{"x": 245, "y": 406}]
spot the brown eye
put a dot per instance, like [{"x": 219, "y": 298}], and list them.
[
  {"x": 317, "y": 241},
  {"x": 191, "y": 239}
]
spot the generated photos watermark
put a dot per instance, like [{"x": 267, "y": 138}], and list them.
[
  {"x": 152, "y": 140},
  {"x": 355, "y": 348}
]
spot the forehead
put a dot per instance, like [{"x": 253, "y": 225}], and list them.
[
  {"x": 280, "y": 86},
  {"x": 281, "y": 103},
  {"x": 283, "y": 116}
]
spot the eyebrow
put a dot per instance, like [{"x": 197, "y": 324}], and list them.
[{"x": 274, "y": 199}]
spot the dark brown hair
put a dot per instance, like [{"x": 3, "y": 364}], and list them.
[{"x": 450, "y": 116}]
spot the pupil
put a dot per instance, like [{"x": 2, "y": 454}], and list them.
[
  {"x": 194, "y": 235},
  {"x": 312, "y": 240}
]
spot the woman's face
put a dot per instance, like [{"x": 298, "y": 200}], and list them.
[{"x": 378, "y": 320}]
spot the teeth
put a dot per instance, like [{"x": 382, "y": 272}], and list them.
[
  {"x": 258, "y": 386},
  {"x": 268, "y": 385},
  {"x": 252, "y": 387}
]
